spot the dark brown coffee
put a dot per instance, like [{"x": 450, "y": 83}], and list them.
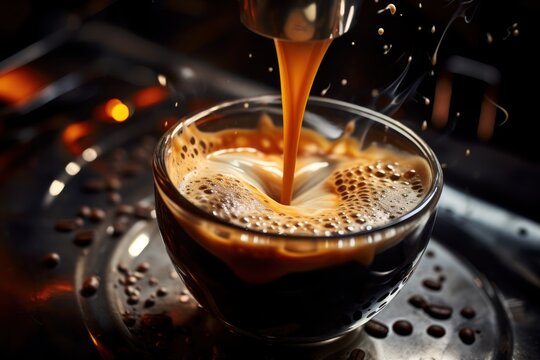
[{"x": 307, "y": 270}]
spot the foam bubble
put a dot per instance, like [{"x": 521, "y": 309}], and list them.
[{"x": 236, "y": 175}]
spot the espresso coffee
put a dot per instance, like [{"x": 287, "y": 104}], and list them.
[{"x": 308, "y": 270}]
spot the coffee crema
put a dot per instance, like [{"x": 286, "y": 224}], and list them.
[{"x": 339, "y": 189}]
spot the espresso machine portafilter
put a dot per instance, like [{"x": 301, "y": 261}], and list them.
[{"x": 299, "y": 20}]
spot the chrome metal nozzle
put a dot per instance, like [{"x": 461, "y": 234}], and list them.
[{"x": 299, "y": 20}]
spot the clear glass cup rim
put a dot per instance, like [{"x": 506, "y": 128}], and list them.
[{"x": 163, "y": 180}]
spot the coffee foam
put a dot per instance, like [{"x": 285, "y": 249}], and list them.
[{"x": 339, "y": 189}]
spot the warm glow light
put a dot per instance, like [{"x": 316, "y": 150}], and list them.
[
  {"x": 73, "y": 168},
  {"x": 19, "y": 85},
  {"x": 138, "y": 245},
  {"x": 73, "y": 135},
  {"x": 56, "y": 187},
  {"x": 149, "y": 96},
  {"x": 89, "y": 154},
  {"x": 120, "y": 112},
  {"x": 117, "y": 110}
]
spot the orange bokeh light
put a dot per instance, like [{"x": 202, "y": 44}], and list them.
[
  {"x": 20, "y": 85},
  {"x": 117, "y": 110}
]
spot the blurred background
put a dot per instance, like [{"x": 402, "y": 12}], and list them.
[
  {"x": 81, "y": 77},
  {"x": 393, "y": 72}
]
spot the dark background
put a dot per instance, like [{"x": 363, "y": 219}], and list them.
[{"x": 503, "y": 169}]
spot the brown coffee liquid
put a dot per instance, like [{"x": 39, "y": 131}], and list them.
[
  {"x": 298, "y": 65},
  {"x": 339, "y": 189}
]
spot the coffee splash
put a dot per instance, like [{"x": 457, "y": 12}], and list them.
[{"x": 339, "y": 189}]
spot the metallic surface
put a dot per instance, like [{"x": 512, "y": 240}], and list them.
[{"x": 300, "y": 20}]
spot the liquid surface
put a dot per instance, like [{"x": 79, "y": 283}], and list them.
[{"x": 236, "y": 174}]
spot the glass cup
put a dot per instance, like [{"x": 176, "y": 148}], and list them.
[{"x": 287, "y": 287}]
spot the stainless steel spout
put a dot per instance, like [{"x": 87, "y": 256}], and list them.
[{"x": 299, "y": 20}]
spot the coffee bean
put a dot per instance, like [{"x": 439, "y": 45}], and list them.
[
  {"x": 437, "y": 268},
  {"x": 430, "y": 253},
  {"x": 125, "y": 209},
  {"x": 85, "y": 211},
  {"x": 466, "y": 335},
  {"x": 376, "y": 329},
  {"x": 113, "y": 183},
  {"x": 114, "y": 197},
  {"x": 143, "y": 267},
  {"x": 90, "y": 286},
  {"x": 144, "y": 211},
  {"x": 84, "y": 237},
  {"x": 436, "y": 331},
  {"x": 468, "y": 312},
  {"x": 432, "y": 284},
  {"x": 149, "y": 303},
  {"x": 402, "y": 327},
  {"x": 357, "y": 354},
  {"x": 120, "y": 226},
  {"x": 161, "y": 291},
  {"x": 440, "y": 312},
  {"x": 153, "y": 281},
  {"x": 51, "y": 260},
  {"x": 66, "y": 225},
  {"x": 418, "y": 301},
  {"x": 133, "y": 299},
  {"x": 97, "y": 215}
]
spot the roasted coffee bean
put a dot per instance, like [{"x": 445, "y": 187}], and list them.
[
  {"x": 402, "y": 327},
  {"x": 143, "y": 267},
  {"x": 114, "y": 197},
  {"x": 66, "y": 225},
  {"x": 51, "y": 260},
  {"x": 125, "y": 209},
  {"x": 357, "y": 354},
  {"x": 376, "y": 329},
  {"x": 85, "y": 211},
  {"x": 120, "y": 226},
  {"x": 436, "y": 331},
  {"x": 149, "y": 303},
  {"x": 468, "y": 312},
  {"x": 466, "y": 335},
  {"x": 84, "y": 237},
  {"x": 418, "y": 301},
  {"x": 144, "y": 211},
  {"x": 90, "y": 286},
  {"x": 161, "y": 291},
  {"x": 113, "y": 183},
  {"x": 97, "y": 215},
  {"x": 153, "y": 281},
  {"x": 441, "y": 312},
  {"x": 432, "y": 284},
  {"x": 133, "y": 299}
]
